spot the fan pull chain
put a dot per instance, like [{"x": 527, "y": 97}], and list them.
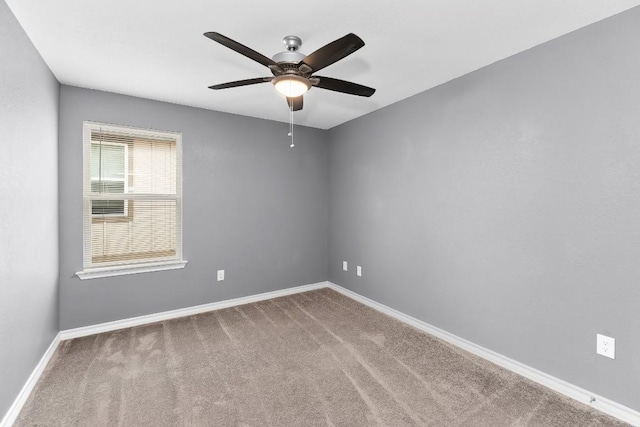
[{"x": 291, "y": 123}]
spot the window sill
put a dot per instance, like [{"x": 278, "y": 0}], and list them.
[{"x": 121, "y": 270}]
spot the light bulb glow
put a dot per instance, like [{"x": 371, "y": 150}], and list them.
[{"x": 291, "y": 86}]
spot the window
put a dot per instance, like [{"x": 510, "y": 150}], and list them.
[
  {"x": 132, "y": 200},
  {"x": 109, "y": 169}
]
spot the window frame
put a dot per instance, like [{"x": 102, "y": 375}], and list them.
[{"x": 117, "y": 268}]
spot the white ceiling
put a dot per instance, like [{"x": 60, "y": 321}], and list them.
[{"x": 155, "y": 48}]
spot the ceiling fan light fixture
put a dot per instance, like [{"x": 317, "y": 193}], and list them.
[{"x": 291, "y": 86}]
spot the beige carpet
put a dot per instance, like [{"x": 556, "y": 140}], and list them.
[{"x": 311, "y": 359}]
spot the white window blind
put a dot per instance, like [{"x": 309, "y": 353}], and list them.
[{"x": 132, "y": 196}]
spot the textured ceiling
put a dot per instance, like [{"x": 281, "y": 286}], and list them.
[{"x": 156, "y": 50}]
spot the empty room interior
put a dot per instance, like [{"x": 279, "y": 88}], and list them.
[{"x": 339, "y": 214}]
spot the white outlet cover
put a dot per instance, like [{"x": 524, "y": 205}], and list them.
[
  {"x": 220, "y": 275},
  {"x": 359, "y": 271},
  {"x": 606, "y": 346},
  {"x": 344, "y": 265}
]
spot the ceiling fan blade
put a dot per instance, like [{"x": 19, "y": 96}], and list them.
[
  {"x": 297, "y": 103},
  {"x": 240, "y": 48},
  {"x": 343, "y": 86},
  {"x": 333, "y": 52},
  {"x": 241, "y": 83}
]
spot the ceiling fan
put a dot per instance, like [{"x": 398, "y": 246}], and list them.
[{"x": 293, "y": 72}]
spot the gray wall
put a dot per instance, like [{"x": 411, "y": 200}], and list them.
[
  {"x": 252, "y": 206},
  {"x": 29, "y": 212},
  {"x": 504, "y": 206}
]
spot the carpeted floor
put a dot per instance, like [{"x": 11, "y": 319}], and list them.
[{"x": 311, "y": 359}]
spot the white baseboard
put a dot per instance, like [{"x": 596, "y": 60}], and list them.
[
  {"x": 17, "y": 405},
  {"x": 182, "y": 312},
  {"x": 584, "y": 396}
]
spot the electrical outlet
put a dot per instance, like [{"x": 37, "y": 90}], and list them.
[
  {"x": 344, "y": 265},
  {"x": 606, "y": 346},
  {"x": 359, "y": 271},
  {"x": 220, "y": 275}
]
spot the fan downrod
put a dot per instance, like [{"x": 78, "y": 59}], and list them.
[{"x": 292, "y": 55}]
